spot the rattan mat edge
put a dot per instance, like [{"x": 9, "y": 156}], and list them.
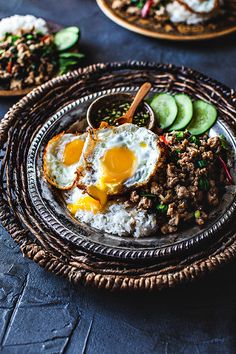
[{"x": 37, "y": 242}]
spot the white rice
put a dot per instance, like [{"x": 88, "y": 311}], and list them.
[
  {"x": 17, "y": 23},
  {"x": 116, "y": 219},
  {"x": 178, "y": 13}
]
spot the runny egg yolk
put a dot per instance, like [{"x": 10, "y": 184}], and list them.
[
  {"x": 73, "y": 151},
  {"x": 94, "y": 201},
  {"x": 86, "y": 203},
  {"x": 118, "y": 164}
]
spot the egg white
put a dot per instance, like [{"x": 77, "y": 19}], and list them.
[
  {"x": 141, "y": 141},
  {"x": 56, "y": 171}
]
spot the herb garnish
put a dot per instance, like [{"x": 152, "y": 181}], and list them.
[
  {"x": 201, "y": 163},
  {"x": 148, "y": 195},
  {"x": 203, "y": 183},
  {"x": 223, "y": 142},
  {"x": 193, "y": 139},
  {"x": 179, "y": 135},
  {"x": 162, "y": 208}
]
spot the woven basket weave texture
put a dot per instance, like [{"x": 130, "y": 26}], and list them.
[{"x": 37, "y": 241}]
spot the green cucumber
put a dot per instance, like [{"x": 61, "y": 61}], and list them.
[
  {"x": 68, "y": 55},
  {"x": 165, "y": 109},
  {"x": 185, "y": 112},
  {"x": 73, "y": 29},
  {"x": 204, "y": 116},
  {"x": 66, "y": 38}
]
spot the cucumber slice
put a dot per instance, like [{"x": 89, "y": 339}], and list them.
[
  {"x": 165, "y": 109},
  {"x": 185, "y": 112},
  {"x": 204, "y": 116},
  {"x": 73, "y": 29},
  {"x": 66, "y": 39},
  {"x": 67, "y": 55}
]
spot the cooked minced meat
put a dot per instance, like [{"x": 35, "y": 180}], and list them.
[
  {"x": 134, "y": 8},
  {"x": 27, "y": 60},
  {"x": 189, "y": 184}
]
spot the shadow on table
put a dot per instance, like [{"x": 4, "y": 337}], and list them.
[
  {"x": 198, "y": 317},
  {"x": 211, "y": 45}
]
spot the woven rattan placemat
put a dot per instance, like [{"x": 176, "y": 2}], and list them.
[{"x": 37, "y": 241}]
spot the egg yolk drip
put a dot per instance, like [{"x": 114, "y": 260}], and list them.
[
  {"x": 73, "y": 151},
  {"x": 94, "y": 201},
  {"x": 118, "y": 164},
  {"x": 86, "y": 203}
]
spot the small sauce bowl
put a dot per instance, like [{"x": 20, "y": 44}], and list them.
[{"x": 114, "y": 103}]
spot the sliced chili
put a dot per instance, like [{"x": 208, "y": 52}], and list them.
[
  {"x": 163, "y": 139},
  {"x": 146, "y": 8},
  {"x": 9, "y": 66},
  {"x": 226, "y": 170}
]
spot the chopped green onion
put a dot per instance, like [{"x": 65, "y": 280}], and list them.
[
  {"x": 179, "y": 135},
  {"x": 14, "y": 38},
  {"x": 138, "y": 3},
  {"x": 148, "y": 195},
  {"x": 201, "y": 163},
  {"x": 162, "y": 208},
  {"x": 203, "y": 183},
  {"x": 223, "y": 142},
  {"x": 193, "y": 139}
]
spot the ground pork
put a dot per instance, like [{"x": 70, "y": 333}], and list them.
[{"x": 188, "y": 185}]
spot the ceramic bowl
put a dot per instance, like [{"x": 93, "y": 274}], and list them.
[{"x": 108, "y": 99}]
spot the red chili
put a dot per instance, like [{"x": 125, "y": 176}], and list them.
[
  {"x": 9, "y": 66},
  {"x": 164, "y": 140},
  {"x": 43, "y": 39},
  {"x": 146, "y": 8},
  {"x": 226, "y": 170}
]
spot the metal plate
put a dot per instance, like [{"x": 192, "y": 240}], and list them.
[{"x": 49, "y": 205}]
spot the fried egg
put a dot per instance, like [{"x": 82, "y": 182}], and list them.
[
  {"x": 113, "y": 218},
  {"x": 61, "y": 159},
  {"x": 116, "y": 159}
]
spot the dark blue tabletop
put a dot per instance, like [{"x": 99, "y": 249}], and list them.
[{"x": 40, "y": 312}]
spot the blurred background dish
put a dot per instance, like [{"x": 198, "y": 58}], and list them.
[
  {"x": 178, "y": 20},
  {"x": 33, "y": 51}
]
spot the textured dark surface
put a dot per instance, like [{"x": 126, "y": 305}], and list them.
[{"x": 42, "y": 313}]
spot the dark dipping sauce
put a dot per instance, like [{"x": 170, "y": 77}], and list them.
[{"x": 114, "y": 111}]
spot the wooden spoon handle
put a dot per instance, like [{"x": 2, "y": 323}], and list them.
[{"x": 142, "y": 92}]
